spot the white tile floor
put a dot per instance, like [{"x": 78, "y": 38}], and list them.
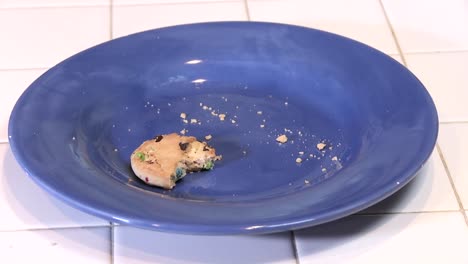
[
  {"x": 133, "y": 245},
  {"x": 445, "y": 76},
  {"x": 429, "y": 25},
  {"x": 74, "y": 246},
  {"x": 131, "y": 19},
  {"x": 453, "y": 141},
  {"x": 423, "y": 223},
  {"x": 399, "y": 238},
  {"x": 41, "y": 37},
  {"x": 24, "y": 205},
  {"x": 364, "y": 21}
]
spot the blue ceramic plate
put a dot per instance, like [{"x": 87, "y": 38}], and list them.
[{"x": 74, "y": 128}]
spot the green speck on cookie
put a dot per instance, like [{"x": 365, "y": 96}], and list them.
[
  {"x": 208, "y": 165},
  {"x": 140, "y": 155}
]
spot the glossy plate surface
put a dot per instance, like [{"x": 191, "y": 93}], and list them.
[{"x": 75, "y": 127}]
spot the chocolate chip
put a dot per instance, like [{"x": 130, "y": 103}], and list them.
[
  {"x": 205, "y": 148},
  {"x": 183, "y": 146},
  {"x": 158, "y": 138}
]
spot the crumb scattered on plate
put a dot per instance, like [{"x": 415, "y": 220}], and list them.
[
  {"x": 298, "y": 160},
  {"x": 282, "y": 139},
  {"x": 321, "y": 146},
  {"x": 208, "y": 137}
]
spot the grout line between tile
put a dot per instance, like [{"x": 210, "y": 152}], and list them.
[
  {"x": 111, "y": 243},
  {"x": 294, "y": 246},
  {"x": 389, "y": 24},
  {"x": 55, "y": 228},
  {"x": 447, "y": 171},
  {"x": 436, "y": 52},
  {"x": 178, "y": 3},
  {"x": 452, "y": 122},
  {"x": 52, "y": 7},
  {"x": 247, "y": 11},
  {"x": 23, "y": 69},
  {"x": 111, "y": 19},
  {"x": 411, "y": 212}
]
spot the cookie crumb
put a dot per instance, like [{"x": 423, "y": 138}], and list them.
[
  {"x": 205, "y": 107},
  {"x": 298, "y": 160},
  {"x": 282, "y": 139},
  {"x": 321, "y": 146},
  {"x": 262, "y": 126},
  {"x": 208, "y": 137},
  {"x": 335, "y": 158},
  {"x": 324, "y": 170},
  {"x": 183, "y": 131},
  {"x": 193, "y": 121},
  {"x": 306, "y": 182},
  {"x": 201, "y": 104},
  {"x": 185, "y": 121},
  {"x": 183, "y": 115},
  {"x": 233, "y": 121},
  {"x": 221, "y": 117},
  {"x": 244, "y": 152},
  {"x": 259, "y": 112},
  {"x": 301, "y": 152}
]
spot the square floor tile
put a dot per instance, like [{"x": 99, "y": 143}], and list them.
[
  {"x": 132, "y": 19},
  {"x": 429, "y": 25},
  {"x": 364, "y": 21},
  {"x": 24, "y": 205},
  {"x": 429, "y": 238},
  {"x": 453, "y": 141},
  {"x": 42, "y": 37},
  {"x": 445, "y": 76},
  {"x": 71, "y": 246},
  {"x": 138, "y": 246}
]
